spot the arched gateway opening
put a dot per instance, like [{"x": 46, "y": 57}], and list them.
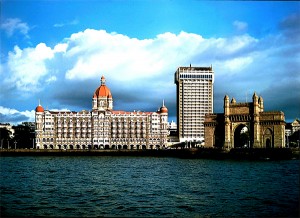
[
  {"x": 268, "y": 136},
  {"x": 241, "y": 137}
]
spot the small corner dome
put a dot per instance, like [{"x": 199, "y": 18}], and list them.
[{"x": 39, "y": 109}]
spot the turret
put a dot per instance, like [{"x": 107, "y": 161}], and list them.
[
  {"x": 233, "y": 101},
  {"x": 255, "y": 103},
  {"x": 226, "y": 105},
  {"x": 261, "y": 104},
  {"x": 102, "y": 98}
]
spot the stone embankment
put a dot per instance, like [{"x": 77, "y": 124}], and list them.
[{"x": 220, "y": 154}]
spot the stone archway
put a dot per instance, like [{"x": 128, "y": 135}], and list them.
[
  {"x": 268, "y": 138},
  {"x": 241, "y": 136}
]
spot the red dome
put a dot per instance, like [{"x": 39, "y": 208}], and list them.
[
  {"x": 39, "y": 109},
  {"x": 163, "y": 109},
  {"x": 103, "y": 90}
]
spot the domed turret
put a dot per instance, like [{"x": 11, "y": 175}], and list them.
[
  {"x": 102, "y": 98},
  {"x": 163, "y": 109},
  {"x": 102, "y": 90},
  {"x": 39, "y": 108}
]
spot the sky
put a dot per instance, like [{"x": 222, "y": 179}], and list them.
[{"x": 55, "y": 52}]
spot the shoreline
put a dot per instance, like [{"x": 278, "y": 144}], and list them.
[{"x": 198, "y": 153}]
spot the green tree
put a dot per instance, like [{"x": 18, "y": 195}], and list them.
[{"x": 5, "y": 137}]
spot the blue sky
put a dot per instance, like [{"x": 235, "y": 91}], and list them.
[{"x": 56, "y": 51}]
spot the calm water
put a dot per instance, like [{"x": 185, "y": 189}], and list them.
[{"x": 133, "y": 186}]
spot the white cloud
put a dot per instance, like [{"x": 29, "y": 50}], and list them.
[
  {"x": 13, "y": 25},
  {"x": 99, "y": 52},
  {"x": 237, "y": 64},
  {"x": 51, "y": 79},
  {"x": 143, "y": 66},
  {"x": 17, "y": 116},
  {"x": 92, "y": 53},
  {"x": 240, "y": 26},
  {"x": 73, "y": 22},
  {"x": 26, "y": 67}
]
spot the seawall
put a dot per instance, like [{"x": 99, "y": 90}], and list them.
[{"x": 207, "y": 153}]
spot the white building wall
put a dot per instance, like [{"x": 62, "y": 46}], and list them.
[{"x": 194, "y": 100}]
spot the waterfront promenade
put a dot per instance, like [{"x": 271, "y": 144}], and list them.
[{"x": 209, "y": 153}]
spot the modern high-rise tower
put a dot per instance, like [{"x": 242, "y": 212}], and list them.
[{"x": 194, "y": 99}]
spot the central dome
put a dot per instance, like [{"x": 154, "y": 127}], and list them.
[{"x": 102, "y": 90}]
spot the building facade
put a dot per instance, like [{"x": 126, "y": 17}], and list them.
[
  {"x": 102, "y": 127},
  {"x": 194, "y": 91},
  {"x": 245, "y": 125}
]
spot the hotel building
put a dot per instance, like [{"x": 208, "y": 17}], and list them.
[
  {"x": 194, "y": 99},
  {"x": 102, "y": 127}
]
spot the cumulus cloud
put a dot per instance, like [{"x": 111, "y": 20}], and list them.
[
  {"x": 14, "y": 116},
  {"x": 26, "y": 67},
  {"x": 14, "y": 25},
  {"x": 140, "y": 72},
  {"x": 91, "y": 53}
]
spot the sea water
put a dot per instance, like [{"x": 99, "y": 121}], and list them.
[{"x": 147, "y": 186}]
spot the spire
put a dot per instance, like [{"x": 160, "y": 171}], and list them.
[
  {"x": 39, "y": 102},
  {"x": 102, "y": 80},
  {"x": 163, "y": 103}
]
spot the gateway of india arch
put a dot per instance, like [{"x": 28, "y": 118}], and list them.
[{"x": 245, "y": 125}]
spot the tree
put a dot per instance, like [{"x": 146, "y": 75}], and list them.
[
  {"x": 5, "y": 137},
  {"x": 294, "y": 139}
]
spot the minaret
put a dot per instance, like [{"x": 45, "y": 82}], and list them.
[
  {"x": 261, "y": 104},
  {"x": 256, "y": 127},
  {"x": 103, "y": 80},
  {"x": 227, "y": 123}
]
